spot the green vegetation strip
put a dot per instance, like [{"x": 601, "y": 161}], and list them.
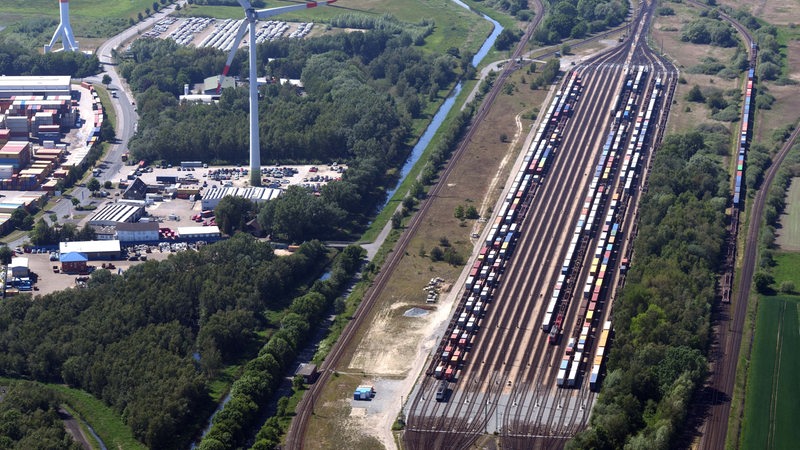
[
  {"x": 95, "y": 413},
  {"x": 107, "y": 424}
]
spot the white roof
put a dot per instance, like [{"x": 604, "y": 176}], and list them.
[
  {"x": 35, "y": 83},
  {"x": 19, "y": 262},
  {"x": 89, "y": 246},
  {"x": 187, "y": 231}
]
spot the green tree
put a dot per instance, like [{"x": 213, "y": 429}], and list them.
[
  {"x": 233, "y": 213},
  {"x": 397, "y": 220},
  {"x": 93, "y": 185},
  {"x": 472, "y": 213},
  {"x": 106, "y": 79},
  {"x": 459, "y": 212},
  {"x": 437, "y": 254},
  {"x": 762, "y": 281},
  {"x": 5, "y": 254},
  {"x": 695, "y": 95}
]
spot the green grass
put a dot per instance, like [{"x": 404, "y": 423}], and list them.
[
  {"x": 89, "y": 437},
  {"x": 455, "y": 26},
  {"x": 771, "y": 403},
  {"x": 105, "y": 422},
  {"x": 89, "y": 18},
  {"x": 789, "y": 234},
  {"x": 772, "y": 391}
]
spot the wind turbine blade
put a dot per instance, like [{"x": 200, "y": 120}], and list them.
[
  {"x": 269, "y": 12},
  {"x": 239, "y": 36},
  {"x": 245, "y": 4}
]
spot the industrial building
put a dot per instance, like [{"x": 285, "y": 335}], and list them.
[
  {"x": 211, "y": 197},
  {"x": 19, "y": 268},
  {"x": 210, "y": 233},
  {"x": 34, "y": 85},
  {"x": 137, "y": 232},
  {"x": 116, "y": 213},
  {"x": 73, "y": 262},
  {"x": 92, "y": 249}
]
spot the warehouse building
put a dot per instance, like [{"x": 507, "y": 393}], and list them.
[
  {"x": 34, "y": 85},
  {"x": 19, "y": 268},
  {"x": 211, "y": 197},
  {"x": 116, "y": 213},
  {"x": 137, "y": 232},
  {"x": 207, "y": 234},
  {"x": 92, "y": 249}
]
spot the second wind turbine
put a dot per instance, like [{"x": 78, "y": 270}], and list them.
[{"x": 251, "y": 17}]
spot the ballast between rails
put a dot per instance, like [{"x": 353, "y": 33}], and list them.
[
  {"x": 606, "y": 248},
  {"x": 486, "y": 271}
]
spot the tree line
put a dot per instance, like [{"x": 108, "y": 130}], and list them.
[
  {"x": 662, "y": 316},
  {"x": 29, "y": 418},
  {"x": 17, "y": 59},
  {"x": 262, "y": 375},
  {"x": 150, "y": 342},
  {"x": 568, "y": 19}
]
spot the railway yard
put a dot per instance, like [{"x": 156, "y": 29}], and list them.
[{"x": 523, "y": 354}]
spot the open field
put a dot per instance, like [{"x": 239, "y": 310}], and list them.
[
  {"x": 772, "y": 392},
  {"x": 666, "y": 34},
  {"x": 788, "y": 235},
  {"x": 776, "y": 12},
  {"x": 88, "y": 17},
  {"x": 476, "y": 181},
  {"x": 454, "y": 25}
]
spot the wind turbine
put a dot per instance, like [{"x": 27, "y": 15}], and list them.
[
  {"x": 64, "y": 30},
  {"x": 251, "y": 17}
]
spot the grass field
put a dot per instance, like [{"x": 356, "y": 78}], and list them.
[
  {"x": 455, "y": 26},
  {"x": 771, "y": 401},
  {"x": 788, "y": 236},
  {"x": 88, "y": 17}
]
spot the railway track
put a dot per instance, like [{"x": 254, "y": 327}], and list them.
[
  {"x": 509, "y": 351},
  {"x": 729, "y": 317},
  {"x": 297, "y": 429}
]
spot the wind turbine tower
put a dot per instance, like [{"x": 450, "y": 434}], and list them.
[
  {"x": 64, "y": 30},
  {"x": 251, "y": 17}
]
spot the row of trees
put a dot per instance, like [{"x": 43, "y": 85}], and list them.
[
  {"x": 262, "y": 375},
  {"x": 712, "y": 31},
  {"x": 568, "y": 19},
  {"x": 149, "y": 343},
  {"x": 29, "y": 418},
  {"x": 17, "y": 59},
  {"x": 662, "y": 317}
]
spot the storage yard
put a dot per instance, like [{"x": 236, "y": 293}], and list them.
[{"x": 35, "y": 115}]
